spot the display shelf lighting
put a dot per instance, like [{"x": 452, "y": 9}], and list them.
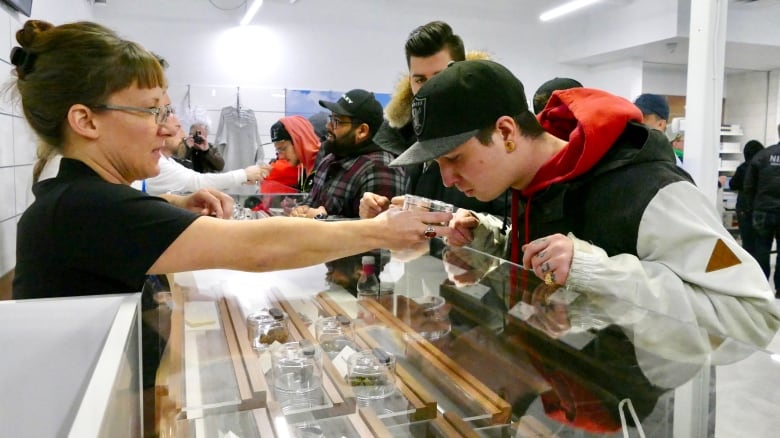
[
  {"x": 565, "y": 8},
  {"x": 250, "y": 13}
]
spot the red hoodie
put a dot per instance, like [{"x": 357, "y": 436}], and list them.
[
  {"x": 591, "y": 120},
  {"x": 306, "y": 145},
  {"x": 304, "y": 140}
]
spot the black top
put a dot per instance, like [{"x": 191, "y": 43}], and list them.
[
  {"x": 761, "y": 188},
  {"x": 86, "y": 236}
]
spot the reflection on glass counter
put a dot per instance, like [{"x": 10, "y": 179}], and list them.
[
  {"x": 481, "y": 346},
  {"x": 265, "y": 200}
]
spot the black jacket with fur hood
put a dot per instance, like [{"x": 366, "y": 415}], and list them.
[{"x": 396, "y": 135}]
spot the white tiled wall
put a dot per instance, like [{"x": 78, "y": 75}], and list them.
[
  {"x": 746, "y": 104},
  {"x": 17, "y": 151}
]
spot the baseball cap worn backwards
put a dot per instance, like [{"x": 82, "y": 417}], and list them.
[
  {"x": 455, "y": 104},
  {"x": 360, "y": 104},
  {"x": 279, "y": 133}
]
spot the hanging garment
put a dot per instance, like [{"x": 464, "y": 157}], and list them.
[{"x": 237, "y": 138}]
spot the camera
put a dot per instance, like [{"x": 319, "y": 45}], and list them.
[{"x": 198, "y": 138}]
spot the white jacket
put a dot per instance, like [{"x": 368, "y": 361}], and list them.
[{"x": 174, "y": 177}]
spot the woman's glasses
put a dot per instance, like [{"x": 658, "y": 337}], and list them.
[{"x": 161, "y": 114}]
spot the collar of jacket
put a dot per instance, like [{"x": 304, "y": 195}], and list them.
[{"x": 398, "y": 111}]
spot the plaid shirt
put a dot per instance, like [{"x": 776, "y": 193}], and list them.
[{"x": 339, "y": 183}]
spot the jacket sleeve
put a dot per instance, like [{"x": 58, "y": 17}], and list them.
[
  {"x": 688, "y": 268},
  {"x": 750, "y": 183},
  {"x": 174, "y": 177},
  {"x": 737, "y": 180},
  {"x": 214, "y": 159},
  {"x": 488, "y": 237}
]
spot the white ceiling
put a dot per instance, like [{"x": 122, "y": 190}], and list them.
[{"x": 671, "y": 52}]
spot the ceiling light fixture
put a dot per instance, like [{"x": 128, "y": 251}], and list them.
[
  {"x": 565, "y": 8},
  {"x": 250, "y": 13}
]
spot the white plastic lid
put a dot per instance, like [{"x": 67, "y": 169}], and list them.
[{"x": 367, "y": 260}]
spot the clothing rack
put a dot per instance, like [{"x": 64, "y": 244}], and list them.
[{"x": 187, "y": 98}]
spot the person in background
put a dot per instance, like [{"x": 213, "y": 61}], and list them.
[
  {"x": 655, "y": 113},
  {"x": 678, "y": 145},
  {"x": 744, "y": 215},
  {"x": 655, "y": 110},
  {"x": 205, "y": 158},
  {"x": 296, "y": 142},
  {"x": 761, "y": 191},
  {"x": 176, "y": 178},
  {"x": 429, "y": 49},
  {"x": 354, "y": 164},
  {"x": 664, "y": 248},
  {"x": 543, "y": 93}
]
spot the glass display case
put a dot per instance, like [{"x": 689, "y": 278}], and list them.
[
  {"x": 473, "y": 352},
  {"x": 74, "y": 369}
]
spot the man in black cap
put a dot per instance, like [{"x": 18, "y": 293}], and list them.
[
  {"x": 606, "y": 212},
  {"x": 655, "y": 110},
  {"x": 353, "y": 163},
  {"x": 543, "y": 93},
  {"x": 429, "y": 49}
]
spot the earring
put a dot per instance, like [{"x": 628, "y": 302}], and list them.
[{"x": 509, "y": 145}]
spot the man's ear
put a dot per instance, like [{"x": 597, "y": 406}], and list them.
[
  {"x": 362, "y": 132},
  {"x": 507, "y": 127},
  {"x": 81, "y": 120}
]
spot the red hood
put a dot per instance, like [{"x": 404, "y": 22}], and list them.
[
  {"x": 304, "y": 139},
  {"x": 591, "y": 120}
]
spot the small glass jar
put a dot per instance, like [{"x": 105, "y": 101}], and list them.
[
  {"x": 267, "y": 326},
  {"x": 371, "y": 373},
  {"x": 413, "y": 202},
  {"x": 296, "y": 368},
  {"x": 334, "y": 334},
  {"x": 435, "y": 322}
]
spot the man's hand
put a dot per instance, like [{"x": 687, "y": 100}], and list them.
[
  {"x": 372, "y": 204},
  {"x": 308, "y": 212},
  {"x": 255, "y": 174},
  {"x": 190, "y": 142},
  {"x": 550, "y": 258},
  {"x": 463, "y": 223}
]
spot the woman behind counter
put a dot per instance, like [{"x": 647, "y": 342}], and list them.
[{"x": 88, "y": 232}]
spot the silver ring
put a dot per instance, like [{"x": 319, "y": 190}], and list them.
[{"x": 429, "y": 232}]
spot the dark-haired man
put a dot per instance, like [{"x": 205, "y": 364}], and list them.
[
  {"x": 543, "y": 93},
  {"x": 585, "y": 221},
  {"x": 353, "y": 163},
  {"x": 429, "y": 49}
]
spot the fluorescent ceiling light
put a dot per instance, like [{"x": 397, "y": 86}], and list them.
[
  {"x": 250, "y": 13},
  {"x": 565, "y": 8}
]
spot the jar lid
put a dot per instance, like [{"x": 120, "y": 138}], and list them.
[
  {"x": 384, "y": 357},
  {"x": 276, "y": 313},
  {"x": 265, "y": 316}
]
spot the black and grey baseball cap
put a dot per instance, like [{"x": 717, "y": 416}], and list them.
[
  {"x": 455, "y": 104},
  {"x": 360, "y": 104}
]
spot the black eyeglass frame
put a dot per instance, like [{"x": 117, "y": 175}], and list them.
[{"x": 161, "y": 114}]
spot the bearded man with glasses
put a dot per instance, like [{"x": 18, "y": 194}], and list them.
[{"x": 353, "y": 163}]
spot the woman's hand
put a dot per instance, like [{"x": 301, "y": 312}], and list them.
[
  {"x": 207, "y": 202},
  {"x": 408, "y": 229}
]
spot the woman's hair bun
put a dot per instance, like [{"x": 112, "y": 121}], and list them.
[{"x": 26, "y": 35}]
